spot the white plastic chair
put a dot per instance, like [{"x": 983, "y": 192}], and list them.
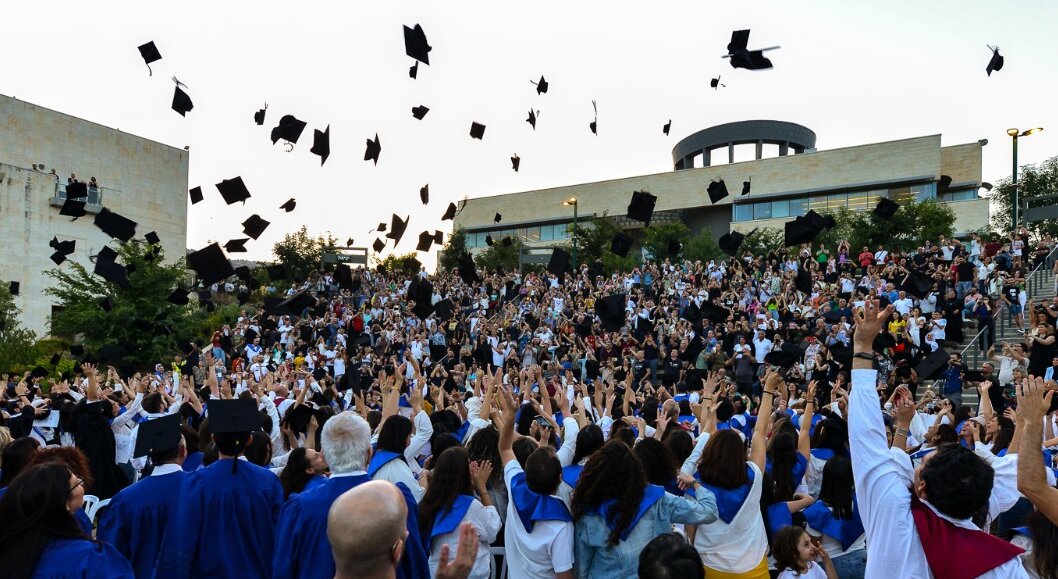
[
  {"x": 97, "y": 507},
  {"x": 500, "y": 552},
  {"x": 89, "y": 504}
]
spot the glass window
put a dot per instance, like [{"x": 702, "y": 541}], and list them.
[
  {"x": 859, "y": 201},
  {"x": 780, "y": 208},
  {"x": 743, "y": 212},
  {"x": 798, "y": 207},
  {"x": 533, "y": 233},
  {"x": 762, "y": 210},
  {"x": 562, "y": 230},
  {"x": 547, "y": 233},
  {"x": 926, "y": 191},
  {"x": 901, "y": 194},
  {"x": 837, "y": 201},
  {"x": 817, "y": 203}
]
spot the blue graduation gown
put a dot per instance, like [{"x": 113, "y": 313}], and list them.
[
  {"x": 224, "y": 523},
  {"x": 134, "y": 522},
  {"x": 192, "y": 462},
  {"x": 81, "y": 558},
  {"x": 302, "y": 548},
  {"x": 571, "y": 474}
]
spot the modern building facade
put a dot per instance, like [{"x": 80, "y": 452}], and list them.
[
  {"x": 783, "y": 187},
  {"x": 40, "y": 149}
]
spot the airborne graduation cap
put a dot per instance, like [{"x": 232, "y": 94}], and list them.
[
  {"x": 236, "y": 245},
  {"x": 13, "y": 287},
  {"x": 289, "y": 129},
  {"x": 158, "y": 435},
  {"x": 73, "y": 208},
  {"x": 232, "y": 190},
  {"x": 516, "y": 162},
  {"x": 917, "y": 284},
  {"x": 259, "y": 116},
  {"x": 150, "y": 54},
  {"x": 665, "y": 129},
  {"x": 641, "y": 207},
  {"x": 802, "y": 230},
  {"x": 477, "y": 130},
  {"x": 179, "y": 297},
  {"x": 532, "y": 118},
  {"x": 76, "y": 190},
  {"x": 416, "y": 46},
  {"x": 321, "y": 144},
  {"x": 886, "y": 208},
  {"x": 803, "y": 281},
  {"x": 438, "y": 237},
  {"x": 115, "y": 225},
  {"x": 713, "y": 312},
  {"x": 717, "y": 191},
  {"x": 559, "y": 262},
  {"x": 450, "y": 213},
  {"x": 994, "y": 63},
  {"x": 467, "y": 270},
  {"x": 109, "y": 269},
  {"x": 444, "y": 309},
  {"x": 784, "y": 356},
  {"x": 210, "y": 264},
  {"x": 397, "y": 228},
  {"x": 374, "y": 148},
  {"x": 419, "y": 112},
  {"x": 378, "y": 245},
  {"x": 611, "y": 311},
  {"x": 541, "y": 87},
  {"x": 152, "y": 238},
  {"x": 254, "y": 226},
  {"x": 289, "y": 205},
  {"x": 424, "y": 194},
  {"x": 621, "y": 245},
  {"x": 742, "y": 57},
  {"x": 929, "y": 367},
  {"x": 730, "y": 242},
  {"x": 195, "y": 194},
  {"x": 425, "y": 241},
  {"x": 181, "y": 102}
]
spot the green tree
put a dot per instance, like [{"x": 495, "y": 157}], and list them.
[
  {"x": 142, "y": 323},
  {"x": 594, "y": 237},
  {"x": 406, "y": 265},
  {"x": 912, "y": 225},
  {"x": 1034, "y": 181},
  {"x": 702, "y": 247},
  {"x": 448, "y": 257},
  {"x": 761, "y": 241},
  {"x": 500, "y": 256},
  {"x": 302, "y": 253},
  {"x": 16, "y": 342},
  {"x": 658, "y": 238}
]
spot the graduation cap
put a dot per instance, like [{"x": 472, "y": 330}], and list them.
[
  {"x": 419, "y": 112},
  {"x": 994, "y": 63},
  {"x": 833, "y": 316},
  {"x": 488, "y": 240},
  {"x": 666, "y": 127},
  {"x": 415, "y": 44},
  {"x": 232, "y": 190},
  {"x": 321, "y": 144},
  {"x": 559, "y": 262},
  {"x": 181, "y": 102},
  {"x": 803, "y": 229},
  {"x": 233, "y": 415},
  {"x": 713, "y": 312},
  {"x": 378, "y": 245},
  {"x": 450, "y": 213},
  {"x": 63, "y": 247},
  {"x": 611, "y": 311},
  {"x": 594, "y": 124},
  {"x": 945, "y": 182},
  {"x": 467, "y": 271},
  {"x": 497, "y": 218},
  {"x": 788, "y": 354},
  {"x": 243, "y": 272},
  {"x": 714, "y": 83},
  {"x": 507, "y": 241},
  {"x": 77, "y": 350},
  {"x": 477, "y": 130},
  {"x": 289, "y": 205},
  {"x": 641, "y": 207},
  {"x": 151, "y": 238},
  {"x": 422, "y": 309},
  {"x": 259, "y": 116},
  {"x": 928, "y": 368},
  {"x": 381, "y": 228},
  {"x": 438, "y": 237},
  {"x": 621, "y": 244},
  {"x": 973, "y": 376},
  {"x": 14, "y": 287},
  {"x": 541, "y": 87},
  {"x": 116, "y": 226},
  {"x": 532, "y": 118},
  {"x": 106, "y": 305},
  {"x": 276, "y": 271},
  {"x": 349, "y": 242},
  {"x": 195, "y": 194},
  {"x": 158, "y": 435},
  {"x": 425, "y": 241},
  {"x": 289, "y": 129},
  {"x": 692, "y": 313},
  {"x": 414, "y": 70},
  {"x": 424, "y": 194},
  {"x": 58, "y": 258},
  {"x": 39, "y": 372},
  {"x": 717, "y": 191},
  {"x": 674, "y": 247},
  {"x": 73, "y": 208},
  {"x": 293, "y": 305},
  {"x": 803, "y": 280},
  {"x": 343, "y": 276},
  {"x": 210, "y": 264},
  {"x": 730, "y": 242},
  {"x": 397, "y": 228},
  {"x": 742, "y": 57},
  {"x": 886, "y": 208},
  {"x": 150, "y": 54},
  {"x": 444, "y": 309},
  {"x": 298, "y": 417},
  {"x": 917, "y": 284},
  {"x": 516, "y": 162},
  {"x": 76, "y": 190},
  {"x": 829, "y": 222},
  {"x": 373, "y": 149},
  {"x": 179, "y": 296},
  {"x": 236, "y": 245},
  {"x": 745, "y": 187},
  {"x": 254, "y": 226},
  {"x": 111, "y": 271}
]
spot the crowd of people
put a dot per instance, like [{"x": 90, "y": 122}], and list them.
[{"x": 794, "y": 414}]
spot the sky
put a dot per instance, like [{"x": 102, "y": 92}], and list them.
[{"x": 854, "y": 72}]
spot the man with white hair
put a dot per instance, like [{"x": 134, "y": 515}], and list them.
[{"x": 302, "y": 548}]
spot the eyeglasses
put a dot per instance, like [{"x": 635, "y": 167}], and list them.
[{"x": 80, "y": 483}]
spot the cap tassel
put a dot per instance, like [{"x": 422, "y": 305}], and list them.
[
  {"x": 151, "y": 72},
  {"x": 235, "y": 462}
]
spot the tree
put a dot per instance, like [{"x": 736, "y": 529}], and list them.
[
  {"x": 594, "y": 237},
  {"x": 761, "y": 241},
  {"x": 302, "y": 253},
  {"x": 1034, "y": 181},
  {"x": 500, "y": 256},
  {"x": 448, "y": 257},
  {"x": 406, "y": 265},
  {"x": 16, "y": 342},
  {"x": 142, "y": 324},
  {"x": 912, "y": 225},
  {"x": 702, "y": 247},
  {"x": 659, "y": 239}
]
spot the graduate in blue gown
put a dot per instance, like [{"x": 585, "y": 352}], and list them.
[
  {"x": 41, "y": 538},
  {"x": 134, "y": 523},
  {"x": 224, "y": 523},
  {"x": 301, "y": 547}
]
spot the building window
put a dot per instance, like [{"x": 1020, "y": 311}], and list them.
[
  {"x": 817, "y": 203},
  {"x": 960, "y": 195},
  {"x": 780, "y": 208},
  {"x": 744, "y": 212},
  {"x": 859, "y": 201},
  {"x": 836, "y": 201},
  {"x": 798, "y": 207},
  {"x": 532, "y": 233},
  {"x": 762, "y": 210}
]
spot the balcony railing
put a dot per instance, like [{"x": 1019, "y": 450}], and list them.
[{"x": 93, "y": 202}]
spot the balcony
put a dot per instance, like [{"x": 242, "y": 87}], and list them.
[{"x": 93, "y": 203}]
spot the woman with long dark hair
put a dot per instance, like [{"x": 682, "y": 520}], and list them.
[
  {"x": 831, "y": 439},
  {"x": 589, "y": 439},
  {"x": 616, "y": 512},
  {"x": 388, "y": 461},
  {"x": 835, "y": 519},
  {"x": 304, "y": 471},
  {"x": 450, "y": 500},
  {"x": 40, "y": 536},
  {"x": 483, "y": 446},
  {"x": 15, "y": 457}
]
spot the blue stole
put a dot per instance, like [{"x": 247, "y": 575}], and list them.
[
  {"x": 778, "y": 517},
  {"x": 448, "y": 521},
  {"x": 532, "y": 507},
  {"x": 571, "y": 474},
  {"x": 1002, "y": 452},
  {"x": 1025, "y": 531},
  {"x": 797, "y": 472},
  {"x": 379, "y": 460},
  {"x": 462, "y": 432},
  {"x": 403, "y": 402},
  {"x": 687, "y": 418},
  {"x": 730, "y": 501},
  {"x": 725, "y": 425},
  {"x": 651, "y": 495},
  {"x": 845, "y": 531},
  {"x": 823, "y": 453}
]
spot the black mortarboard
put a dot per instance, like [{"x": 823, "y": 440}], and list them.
[
  {"x": 425, "y": 241},
  {"x": 928, "y": 368},
  {"x": 115, "y": 225},
  {"x": 152, "y": 238},
  {"x": 381, "y": 228},
  {"x": 422, "y": 309},
  {"x": 488, "y": 240},
  {"x": 106, "y": 305},
  {"x": 233, "y": 190},
  {"x": 243, "y": 272},
  {"x": 39, "y": 372},
  {"x": 829, "y": 222},
  {"x": 195, "y": 194},
  {"x": 745, "y": 187},
  {"x": 158, "y": 435},
  {"x": 467, "y": 270},
  {"x": 378, "y": 245},
  {"x": 741, "y": 56},
  {"x": 945, "y": 182},
  {"x": 715, "y": 82},
  {"x": 321, "y": 144},
  {"x": 415, "y": 44},
  {"x": 77, "y": 350},
  {"x": 259, "y": 116},
  {"x": 450, "y": 213},
  {"x": 714, "y": 313},
  {"x": 917, "y": 284},
  {"x": 349, "y": 242},
  {"x": 717, "y": 191},
  {"x": 541, "y": 87},
  {"x": 295, "y": 304},
  {"x": 730, "y": 242},
  {"x": 666, "y": 127},
  {"x": 111, "y": 271},
  {"x": 413, "y": 71},
  {"x": 559, "y": 262},
  {"x": 786, "y": 355},
  {"x": 611, "y": 311},
  {"x": 343, "y": 276},
  {"x": 532, "y": 118},
  {"x": 58, "y": 257},
  {"x": 692, "y": 313},
  {"x": 14, "y": 287},
  {"x": 373, "y": 149},
  {"x": 210, "y": 264},
  {"x": 497, "y": 218},
  {"x": 397, "y": 228},
  {"x": 78, "y": 190},
  {"x": 803, "y": 280},
  {"x": 254, "y": 226},
  {"x": 641, "y": 208},
  {"x": 73, "y": 208},
  {"x": 803, "y": 229},
  {"x": 507, "y": 241},
  {"x": 477, "y": 130},
  {"x": 181, "y": 102},
  {"x": 675, "y": 247},
  {"x": 243, "y": 296},
  {"x": 833, "y": 316},
  {"x": 276, "y": 271},
  {"x": 289, "y": 205},
  {"x": 621, "y": 244},
  {"x": 150, "y": 54},
  {"x": 179, "y": 297},
  {"x": 298, "y": 417},
  {"x": 233, "y": 415},
  {"x": 973, "y": 376},
  {"x": 516, "y": 162},
  {"x": 444, "y": 309},
  {"x": 236, "y": 245},
  {"x": 438, "y": 237},
  {"x": 419, "y": 112},
  {"x": 994, "y": 63},
  {"x": 288, "y": 129},
  {"x": 424, "y": 194},
  {"x": 886, "y": 208}
]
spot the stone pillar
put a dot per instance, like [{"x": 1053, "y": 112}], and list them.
[
  {"x": 706, "y": 158},
  {"x": 760, "y": 150},
  {"x": 784, "y": 148},
  {"x": 730, "y": 152}
]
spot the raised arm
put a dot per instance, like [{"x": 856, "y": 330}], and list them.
[
  {"x": 804, "y": 440},
  {"x": 508, "y": 411},
  {"x": 758, "y": 452},
  {"x": 1033, "y": 402}
]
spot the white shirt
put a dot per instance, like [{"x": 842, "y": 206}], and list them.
[
  {"x": 540, "y": 554},
  {"x": 487, "y": 522},
  {"x": 815, "y": 571},
  {"x": 738, "y": 546}
]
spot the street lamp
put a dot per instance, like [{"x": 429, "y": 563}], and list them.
[
  {"x": 573, "y": 201},
  {"x": 1015, "y": 201}
]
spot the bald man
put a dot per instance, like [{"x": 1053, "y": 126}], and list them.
[{"x": 367, "y": 528}]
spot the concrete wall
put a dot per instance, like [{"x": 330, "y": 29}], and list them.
[{"x": 141, "y": 179}]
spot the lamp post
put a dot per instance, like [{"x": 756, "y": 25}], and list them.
[
  {"x": 573, "y": 201},
  {"x": 1015, "y": 199}
]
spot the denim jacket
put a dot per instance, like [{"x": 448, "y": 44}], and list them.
[{"x": 595, "y": 559}]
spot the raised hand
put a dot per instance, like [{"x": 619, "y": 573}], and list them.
[
  {"x": 869, "y": 322},
  {"x": 467, "y": 551},
  {"x": 1034, "y": 400}
]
